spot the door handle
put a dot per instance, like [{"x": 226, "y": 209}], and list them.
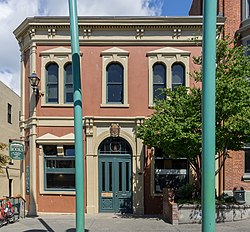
[{"x": 116, "y": 194}]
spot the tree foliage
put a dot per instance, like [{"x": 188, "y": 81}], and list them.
[
  {"x": 3, "y": 157},
  {"x": 175, "y": 126}
]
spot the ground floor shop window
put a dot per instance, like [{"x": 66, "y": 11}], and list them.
[
  {"x": 247, "y": 159},
  {"x": 59, "y": 170},
  {"x": 169, "y": 173}
]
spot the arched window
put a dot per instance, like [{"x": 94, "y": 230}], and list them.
[
  {"x": 115, "y": 145},
  {"x": 115, "y": 82},
  {"x": 52, "y": 83},
  {"x": 178, "y": 75},
  {"x": 159, "y": 80},
  {"x": 68, "y": 83}
]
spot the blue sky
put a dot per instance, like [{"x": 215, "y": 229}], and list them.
[
  {"x": 13, "y": 12},
  {"x": 176, "y": 7}
]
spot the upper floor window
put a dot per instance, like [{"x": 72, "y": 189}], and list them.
[
  {"x": 9, "y": 112},
  {"x": 52, "y": 83},
  {"x": 168, "y": 68},
  {"x": 115, "y": 83},
  {"x": 114, "y": 78},
  {"x": 56, "y": 77},
  {"x": 178, "y": 75},
  {"x": 245, "y": 9},
  {"x": 68, "y": 83},
  {"x": 159, "y": 80}
]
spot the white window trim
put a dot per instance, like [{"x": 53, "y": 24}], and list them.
[
  {"x": 114, "y": 55},
  {"x": 167, "y": 56},
  {"x": 42, "y": 172},
  {"x": 60, "y": 56}
]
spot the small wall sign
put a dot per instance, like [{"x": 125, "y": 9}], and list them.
[{"x": 16, "y": 151}]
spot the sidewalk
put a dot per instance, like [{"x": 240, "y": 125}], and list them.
[{"x": 112, "y": 223}]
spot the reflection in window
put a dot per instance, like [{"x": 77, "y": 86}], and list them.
[
  {"x": 52, "y": 83},
  {"x": 159, "y": 81},
  {"x": 59, "y": 170},
  {"x": 68, "y": 80},
  {"x": 178, "y": 75},
  {"x": 115, "y": 83},
  {"x": 113, "y": 145},
  {"x": 170, "y": 173}
]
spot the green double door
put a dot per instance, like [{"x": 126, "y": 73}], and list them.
[{"x": 115, "y": 193}]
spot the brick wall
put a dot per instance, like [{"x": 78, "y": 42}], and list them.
[
  {"x": 231, "y": 9},
  {"x": 234, "y": 171}
]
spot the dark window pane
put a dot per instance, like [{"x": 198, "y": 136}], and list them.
[
  {"x": 9, "y": 112},
  {"x": 247, "y": 160},
  {"x": 113, "y": 145},
  {"x": 171, "y": 173},
  {"x": 115, "y": 93},
  {"x": 60, "y": 163},
  {"x": 178, "y": 75},
  {"x": 159, "y": 81},
  {"x": 50, "y": 150},
  {"x": 127, "y": 176},
  {"x": 52, "y": 83},
  {"x": 115, "y": 83},
  {"x": 120, "y": 176},
  {"x": 68, "y": 83},
  {"x": 60, "y": 181},
  {"x": 110, "y": 176},
  {"x": 157, "y": 92},
  {"x": 103, "y": 176},
  {"x": 115, "y": 73},
  {"x": 69, "y": 150}
]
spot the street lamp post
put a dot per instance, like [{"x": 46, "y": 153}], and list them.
[
  {"x": 208, "y": 115},
  {"x": 78, "y": 125}
]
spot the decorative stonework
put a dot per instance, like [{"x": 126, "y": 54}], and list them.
[
  {"x": 115, "y": 130},
  {"x": 139, "y": 33},
  {"x": 176, "y": 33},
  {"x": 32, "y": 32},
  {"x": 87, "y": 32},
  {"x": 51, "y": 32},
  {"x": 89, "y": 123}
]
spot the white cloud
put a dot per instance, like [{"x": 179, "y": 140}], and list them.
[{"x": 13, "y": 12}]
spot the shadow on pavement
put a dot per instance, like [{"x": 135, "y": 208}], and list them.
[
  {"x": 35, "y": 230},
  {"x": 49, "y": 229}
]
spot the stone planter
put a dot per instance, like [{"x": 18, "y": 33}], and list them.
[{"x": 189, "y": 213}]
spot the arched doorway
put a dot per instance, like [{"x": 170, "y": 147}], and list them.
[{"x": 115, "y": 175}]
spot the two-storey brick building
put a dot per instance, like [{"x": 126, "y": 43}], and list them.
[{"x": 124, "y": 62}]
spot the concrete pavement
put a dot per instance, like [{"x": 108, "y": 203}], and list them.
[{"x": 112, "y": 223}]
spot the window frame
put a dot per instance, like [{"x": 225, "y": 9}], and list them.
[
  {"x": 48, "y": 83},
  {"x": 184, "y": 76},
  {"x": 246, "y": 174},
  {"x": 153, "y": 171},
  {"x": 114, "y": 83},
  {"x": 165, "y": 82},
  {"x": 65, "y": 83},
  {"x": 60, "y": 155},
  {"x": 114, "y": 55},
  {"x": 167, "y": 56},
  {"x": 61, "y": 56},
  {"x": 9, "y": 113}
]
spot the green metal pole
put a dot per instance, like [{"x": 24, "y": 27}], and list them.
[
  {"x": 208, "y": 115},
  {"x": 78, "y": 125}
]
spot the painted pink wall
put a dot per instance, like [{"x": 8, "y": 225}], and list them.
[{"x": 91, "y": 73}]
